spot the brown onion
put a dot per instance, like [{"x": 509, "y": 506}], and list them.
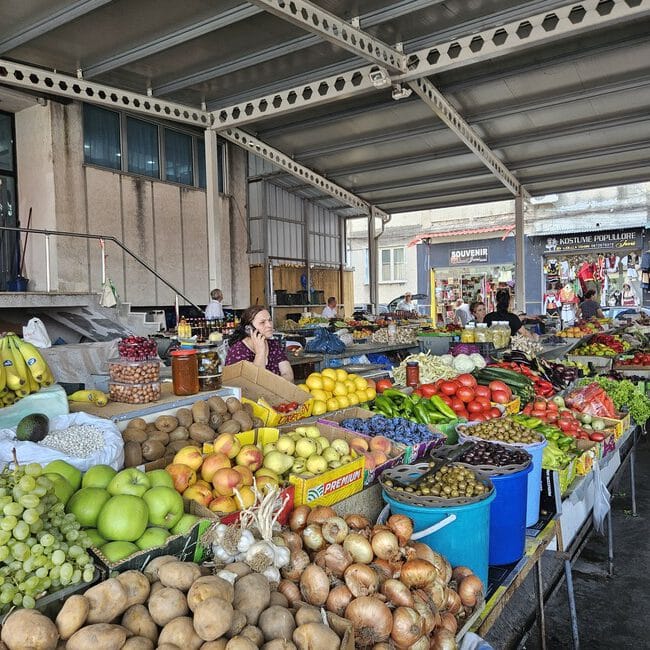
[
  {"x": 421, "y": 644},
  {"x": 469, "y": 590},
  {"x": 461, "y": 572},
  {"x": 357, "y": 522},
  {"x": 418, "y": 573},
  {"x": 443, "y": 639},
  {"x": 437, "y": 594},
  {"x": 449, "y": 622},
  {"x": 361, "y": 580},
  {"x": 339, "y": 598},
  {"x": 371, "y": 620},
  {"x": 320, "y": 514},
  {"x": 397, "y": 593},
  {"x": 424, "y": 552},
  {"x": 408, "y": 626},
  {"x": 335, "y": 530},
  {"x": 334, "y": 559},
  {"x": 359, "y": 548},
  {"x": 402, "y": 526},
  {"x": 314, "y": 585},
  {"x": 431, "y": 619},
  {"x": 292, "y": 540},
  {"x": 289, "y": 590},
  {"x": 377, "y": 528},
  {"x": 381, "y": 646},
  {"x": 452, "y": 601},
  {"x": 385, "y": 545},
  {"x": 298, "y": 518},
  {"x": 298, "y": 562},
  {"x": 383, "y": 568},
  {"x": 312, "y": 537}
]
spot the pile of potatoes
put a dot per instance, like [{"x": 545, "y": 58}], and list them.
[
  {"x": 147, "y": 442},
  {"x": 173, "y": 606}
]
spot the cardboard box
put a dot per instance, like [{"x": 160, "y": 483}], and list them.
[
  {"x": 266, "y": 390},
  {"x": 411, "y": 452}
]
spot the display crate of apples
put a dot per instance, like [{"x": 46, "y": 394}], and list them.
[{"x": 637, "y": 362}]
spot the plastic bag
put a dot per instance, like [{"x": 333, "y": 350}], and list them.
[
  {"x": 36, "y": 333},
  {"x": 325, "y": 343},
  {"x": 473, "y": 641},
  {"x": 111, "y": 454},
  {"x": 602, "y": 498},
  {"x": 346, "y": 337},
  {"x": 109, "y": 295}
]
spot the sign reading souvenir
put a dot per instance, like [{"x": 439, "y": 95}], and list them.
[
  {"x": 468, "y": 255},
  {"x": 609, "y": 240}
]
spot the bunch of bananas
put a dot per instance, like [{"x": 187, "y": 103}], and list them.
[{"x": 22, "y": 369}]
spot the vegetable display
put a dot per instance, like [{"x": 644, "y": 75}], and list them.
[
  {"x": 625, "y": 394},
  {"x": 518, "y": 384},
  {"x": 432, "y": 368}
]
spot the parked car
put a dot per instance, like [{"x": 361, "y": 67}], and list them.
[
  {"x": 618, "y": 312},
  {"x": 420, "y": 300}
]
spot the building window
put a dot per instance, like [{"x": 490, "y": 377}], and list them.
[
  {"x": 142, "y": 148},
  {"x": 9, "y": 241},
  {"x": 392, "y": 264},
  {"x": 179, "y": 166},
  {"x": 102, "y": 137}
]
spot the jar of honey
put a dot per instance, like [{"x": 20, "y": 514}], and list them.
[
  {"x": 412, "y": 374},
  {"x": 185, "y": 372}
]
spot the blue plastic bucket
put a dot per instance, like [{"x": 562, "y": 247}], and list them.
[
  {"x": 461, "y": 533},
  {"x": 534, "y": 481},
  {"x": 508, "y": 516}
]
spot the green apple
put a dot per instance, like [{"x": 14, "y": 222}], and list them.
[
  {"x": 184, "y": 524},
  {"x": 86, "y": 505},
  {"x": 129, "y": 481},
  {"x": 70, "y": 473},
  {"x": 330, "y": 455},
  {"x": 160, "y": 478},
  {"x": 322, "y": 442},
  {"x": 340, "y": 446},
  {"x": 165, "y": 506},
  {"x": 268, "y": 448},
  {"x": 62, "y": 488},
  {"x": 123, "y": 518},
  {"x": 95, "y": 538},
  {"x": 333, "y": 464},
  {"x": 116, "y": 551},
  {"x": 312, "y": 431},
  {"x": 98, "y": 476},
  {"x": 316, "y": 464},
  {"x": 299, "y": 466},
  {"x": 305, "y": 448},
  {"x": 286, "y": 445},
  {"x": 278, "y": 462},
  {"x": 152, "y": 537}
]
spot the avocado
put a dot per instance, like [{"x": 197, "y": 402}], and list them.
[{"x": 33, "y": 427}]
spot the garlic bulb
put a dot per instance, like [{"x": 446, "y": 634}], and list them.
[
  {"x": 273, "y": 575},
  {"x": 260, "y": 556},
  {"x": 282, "y": 556},
  {"x": 246, "y": 540}
]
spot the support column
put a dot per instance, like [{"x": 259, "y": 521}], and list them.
[
  {"x": 215, "y": 216},
  {"x": 372, "y": 263},
  {"x": 520, "y": 255}
]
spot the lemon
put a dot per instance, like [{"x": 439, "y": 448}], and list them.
[
  {"x": 330, "y": 373},
  {"x": 319, "y": 407},
  {"x": 353, "y": 398},
  {"x": 304, "y": 387},
  {"x": 371, "y": 393},
  {"x": 361, "y": 383},
  {"x": 319, "y": 395},
  {"x": 328, "y": 382},
  {"x": 332, "y": 404},
  {"x": 341, "y": 375},
  {"x": 343, "y": 401},
  {"x": 314, "y": 382},
  {"x": 362, "y": 395},
  {"x": 350, "y": 385},
  {"x": 340, "y": 388}
]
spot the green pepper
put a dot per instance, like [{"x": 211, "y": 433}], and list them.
[
  {"x": 442, "y": 406},
  {"x": 391, "y": 393},
  {"x": 421, "y": 414},
  {"x": 385, "y": 405},
  {"x": 434, "y": 414}
]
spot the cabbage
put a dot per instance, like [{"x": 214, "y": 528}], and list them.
[
  {"x": 447, "y": 359},
  {"x": 463, "y": 363},
  {"x": 478, "y": 360}
]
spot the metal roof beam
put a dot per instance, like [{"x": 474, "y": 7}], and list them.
[
  {"x": 40, "y": 26},
  {"x": 486, "y": 45},
  {"x": 171, "y": 39},
  {"x": 340, "y": 32}
]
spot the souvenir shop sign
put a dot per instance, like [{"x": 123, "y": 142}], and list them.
[
  {"x": 459, "y": 256},
  {"x": 610, "y": 240}
]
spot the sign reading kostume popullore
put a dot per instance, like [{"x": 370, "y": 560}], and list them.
[
  {"x": 468, "y": 255},
  {"x": 608, "y": 240}
]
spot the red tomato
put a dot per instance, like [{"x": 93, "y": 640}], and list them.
[
  {"x": 564, "y": 424},
  {"x": 383, "y": 384},
  {"x": 467, "y": 380},
  {"x": 500, "y": 396},
  {"x": 551, "y": 406},
  {"x": 539, "y": 405},
  {"x": 475, "y": 407},
  {"x": 499, "y": 385},
  {"x": 566, "y": 414},
  {"x": 463, "y": 414},
  {"x": 446, "y": 399},
  {"x": 448, "y": 387},
  {"x": 596, "y": 436},
  {"x": 552, "y": 417},
  {"x": 538, "y": 414},
  {"x": 495, "y": 412},
  {"x": 484, "y": 402},
  {"x": 478, "y": 417},
  {"x": 528, "y": 409},
  {"x": 482, "y": 391},
  {"x": 465, "y": 394},
  {"x": 428, "y": 390},
  {"x": 457, "y": 405},
  {"x": 438, "y": 382}
]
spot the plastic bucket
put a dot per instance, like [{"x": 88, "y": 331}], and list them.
[
  {"x": 461, "y": 533},
  {"x": 534, "y": 482},
  {"x": 508, "y": 516},
  {"x": 19, "y": 283}
]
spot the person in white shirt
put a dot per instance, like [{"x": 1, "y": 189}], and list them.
[
  {"x": 331, "y": 311},
  {"x": 407, "y": 304},
  {"x": 462, "y": 312},
  {"x": 214, "y": 309}
]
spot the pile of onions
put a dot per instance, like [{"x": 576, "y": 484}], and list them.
[{"x": 396, "y": 592}]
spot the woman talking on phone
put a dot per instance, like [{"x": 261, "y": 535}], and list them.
[{"x": 253, "y": 341}]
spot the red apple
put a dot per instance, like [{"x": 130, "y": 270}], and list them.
[{"x": 182, "y": 475}]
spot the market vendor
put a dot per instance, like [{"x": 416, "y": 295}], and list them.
[
  {"x": 253, "y": 341},
  {"x": 478, "y": 311},
  {"x": 214, "y": 309},
  {"x": 407, "y": 304},
  {"x": 331, "y": 310},
  {"x": 502, "y": 313},
  {"x": 589, "y": 308}
]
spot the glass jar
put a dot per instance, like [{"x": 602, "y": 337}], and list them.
[
  {"x": 185, "y": 372},
  {"x": 392, "y": 332},
  {"x": 209, "y": 367},
  {"x": 468, "y": 334},
  {"x": 481, "y": 334},
  {"x": 412, "y": 374}
]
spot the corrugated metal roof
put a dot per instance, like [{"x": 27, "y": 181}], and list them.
[{"x": 459, "y": 233}]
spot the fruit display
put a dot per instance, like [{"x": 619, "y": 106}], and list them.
[
  {"x": 134, "y": 393},
  {"x": 133, "y": 372},
  {"x": 193, "y": 426},
  {"x": 334, "y": 388},
  {"x": 137, "y": 348},
  {"x": 22, "y": 369},
  {"x": 603, "y": 345},
  {"x": 637, "y": 359},
  {"x": 41, "y": 547},
  {"x": 506, "y": 430},
  {"x": 97, "y": 397},
  {"x": 494, "y": 455},
  {"x": 580, "y": 329},
  {"x": 397, "y": 429}
]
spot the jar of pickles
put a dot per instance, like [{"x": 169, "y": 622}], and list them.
[
  {"x": 468, "y": 335},
  {"x": 481, "y": 334},
  {"x": 500, "y": 331},
  {"x": 209, "y": 367}
]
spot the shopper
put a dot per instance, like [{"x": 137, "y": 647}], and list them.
[
  {"x": 214, "y": 309},
  {"x": 478, "y": 311},
  {"x": 589, "y": 308},
  {"x": 253, "y": 341},
  {"x": 331, "y": 311},
  {"x": 407, "y": 304},
  {"x": 628, "y": 298},
  {"x": 502, "y": 313},
  {"x": 462, "y": 312}
]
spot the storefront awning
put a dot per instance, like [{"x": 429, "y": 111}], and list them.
[{"x": 423, "y": 237}]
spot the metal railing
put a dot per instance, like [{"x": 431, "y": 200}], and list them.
[{"x": 101, "y": 238}]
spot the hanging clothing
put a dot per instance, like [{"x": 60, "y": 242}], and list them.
[
  {"x": 611, "y": 264},
  {"x": 551, "y": 304}
]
